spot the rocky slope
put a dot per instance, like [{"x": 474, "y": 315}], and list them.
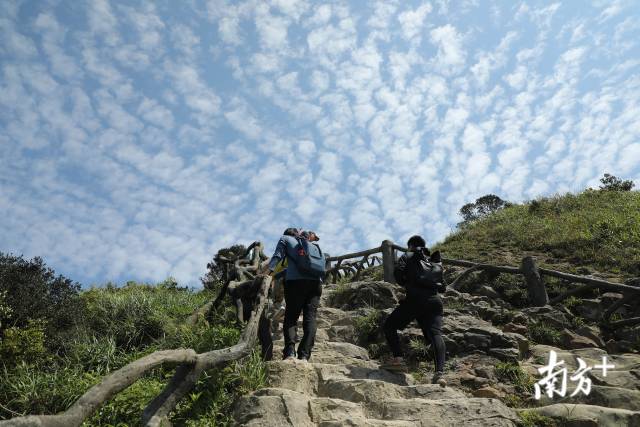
[{"x": 492, "y": 365}]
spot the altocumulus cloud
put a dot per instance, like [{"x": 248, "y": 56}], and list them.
[{"x": 137, "y": 139}]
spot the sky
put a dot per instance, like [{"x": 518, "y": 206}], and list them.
[{"x": 138, "y": 138}]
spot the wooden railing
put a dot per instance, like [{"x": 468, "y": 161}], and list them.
[
  {"x": 528, "y": 268},
  {"x": 246, "y": 270}
]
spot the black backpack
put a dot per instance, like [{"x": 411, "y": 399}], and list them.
[{"x": 423, "y": 271}]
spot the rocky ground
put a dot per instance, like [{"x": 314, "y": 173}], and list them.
[{"x": 491, "y": 368}]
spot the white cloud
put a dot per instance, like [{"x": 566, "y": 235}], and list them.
[
  {"x": 412, "y": 22},
  {"x": 451, "y": 55}
]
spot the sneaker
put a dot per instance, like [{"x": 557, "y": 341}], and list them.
[
  {"x": 438, "y": 379},
  {"x": 395, "y": 364},
  {"x": 290, "y": 355}
]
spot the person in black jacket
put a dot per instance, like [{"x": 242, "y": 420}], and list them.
[{"x": 420, "y": 273}]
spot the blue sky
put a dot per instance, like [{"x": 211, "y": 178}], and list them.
[{"x": 137, "y": 138}]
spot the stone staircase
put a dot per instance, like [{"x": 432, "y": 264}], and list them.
[{"x": 342, "y": 386}]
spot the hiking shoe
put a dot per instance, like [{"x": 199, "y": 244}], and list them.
[
  {"x": 438, "y": 379},
  {"x": 395, "y": 364},
  {"x": 289, "y": 358}
]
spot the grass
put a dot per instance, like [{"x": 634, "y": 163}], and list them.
[
  {"x": 596, "y": 229},
  {"x": 543, "y": 333},
  {"x": 119, "y": 326},
  {"x": 512, "y": 372},
  {"x": 533, "y": 419}
]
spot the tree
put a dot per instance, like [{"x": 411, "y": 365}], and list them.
[
  {"x": 32, "y": 291},
  {"x": 482, "y": 207},
  {"x": 216, "y": 273},
  {"x": 613, "y": 183}
]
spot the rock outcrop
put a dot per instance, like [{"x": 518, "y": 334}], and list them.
[{"x": 344, "y": 385}]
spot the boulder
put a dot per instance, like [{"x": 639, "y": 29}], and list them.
[
  {"x": 513, "y": 327},
  {"x": 355, "y": 295},
  {"x": 572, "y": 340},
  {"x": 580, "y": 415},
  {"x": 548, "y": 315},
  {"x": 589, "y": 309},
  {"x": 488, "y": 391},
  {"x": 487, "y": 291},
  {"x": 450, "y": 412}
]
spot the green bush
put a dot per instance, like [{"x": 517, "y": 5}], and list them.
[
  {"x": 598, "y": 229},
  {"x": 511, "y": 372},
  {"x": 543, "y": 333},
  {"x": 120, "y": 326},
  {"x": 534, "y": 419},
  {"x": 32, "y": 291},
  {"x": 368, "y": 326},
  {"x": 41, "y": 389},
  {"x": 25, "y": 343}
]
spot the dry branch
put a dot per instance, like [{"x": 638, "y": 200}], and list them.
[
  {"x": 625, "y": 322},
  {"x": 616, "y": 305},
  {"x": 590, "y": 281},
  {"x": 190, "y": 367},
  {"x": 112, "y": 384},
  {"x": 456, "y": 283},
  {"x": 185, "y": 378},
  {"x": 574, "y": 291}
]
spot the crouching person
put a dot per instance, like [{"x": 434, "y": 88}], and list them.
[{"x": 421, "y": 275}]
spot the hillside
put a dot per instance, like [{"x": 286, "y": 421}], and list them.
[
  {"x": 589, "y": 232},
  {"x": 495, "y": 340}
]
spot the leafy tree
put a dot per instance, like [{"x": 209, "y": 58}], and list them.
[
  {"x": 216, "y": 270},
  {"x": 613, "y": 183},
  {"x": 483, "y": 206},
  {"x": 32, "y": 291}
]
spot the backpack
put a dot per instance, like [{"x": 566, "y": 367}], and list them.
[
  {"x": 422, "y": 272},
  {"x": 309, "y": 258}
]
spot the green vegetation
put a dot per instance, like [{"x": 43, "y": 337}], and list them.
[
  {"x": 543, "y": 333},
  {"x": 511, "y": 372},
  {"x": 598, "y": 229},
  {"x": 533, "y": 419},
  {"x": 44, "y": 369}
]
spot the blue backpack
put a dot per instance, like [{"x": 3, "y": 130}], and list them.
[{"x": 309, "y": 258}]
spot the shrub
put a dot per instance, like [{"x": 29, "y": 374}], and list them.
[
  {"x": 534, "y": 419},
  {"x": 216, "y": 273},
  {"x": 613, "y": 183},
  {"x": 32, "y": 291},
  {"x": 368, "y": 326},
  {"x": 25, "y": 343},
  {"x": 543, "y": 333},
  {"x": 513, "y": 373},
  {"x": 482, "y": 207}
]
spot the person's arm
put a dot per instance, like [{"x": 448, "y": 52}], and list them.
[
  {"x": 399, "y": 270},
  {"x": 278, "y": 254}
]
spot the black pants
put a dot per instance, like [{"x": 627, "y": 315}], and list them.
[
  {"x": 300, "y": 296},
  {"x": 428, "y": 312}
]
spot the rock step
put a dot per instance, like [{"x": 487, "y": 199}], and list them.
[
  {"x": 589, "y": 415},
  {"x": 282, "y": 407},
  {"x": 309, "y": 378}
]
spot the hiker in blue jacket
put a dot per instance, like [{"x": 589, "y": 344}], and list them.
[{"x": 302, "y": 291}]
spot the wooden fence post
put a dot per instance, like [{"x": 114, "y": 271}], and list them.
[
  {"x": 388, "y": 260},
  {"x": 535, "y": 287}
]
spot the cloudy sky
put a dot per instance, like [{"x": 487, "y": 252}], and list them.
[{"x": 137, "y": 138}]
